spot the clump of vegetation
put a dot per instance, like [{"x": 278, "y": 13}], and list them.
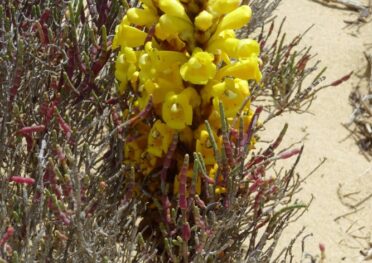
[
  {"x": 361, "y": 101},
  {"x": 159, "y": 164}
]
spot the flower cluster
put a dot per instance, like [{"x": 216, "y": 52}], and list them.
[{"x": 184, "y": 58}]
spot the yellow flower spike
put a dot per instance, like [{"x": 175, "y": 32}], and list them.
[
  {"x": 232, "y": 93},
  {"x": 199, "y": 69},
  {"x": 204, "y": 146},
  {"x": 204, "y": 20},
  {"x": 247, "y": 69},
  {"x": 173, "y": 8},
  {"x": 141, "y": 17},
  {"x": 128, "y": 36},
  {"x": 159, "y": 139},
  {"x": 189, "y": 175},
  {"x": 222, "y": 7},
  {"x": 177, "y": 111},
  {"x": 235, "y": 19}
]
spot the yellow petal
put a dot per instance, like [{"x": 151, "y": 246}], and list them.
[
  {"x": 173, "y": 8},
  {"x": 177, "y": 111},
  {"x": 169, "y": 27},
  {"x": 199, "y": 69},
  {"x": 234, "y": 47},
  {"x": 222, "y": 7},
  {"x": 159, "y": 139},
  {"x": 131, "y": 37},
  {"x": 141, "y": 17},
  {"x": 235, "y": 19},
  {"x": 247, "y": 69},
  {"x": 204, "y": 20}
]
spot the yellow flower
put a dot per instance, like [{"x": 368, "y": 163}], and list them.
[
  {"x": 177, "y": 110},
  {"x": 222, "y": 7},
  {"x": 200, "y": 68},
  {"x": 204, "y": 20},
  {"x": 173, "y": 8},
  {"x": 204, "y": 146},
  {"x": 125, "y": 67},
  {"x": 174, "y": 29},
  {"x": 232, "y": 93},
  {"x": 189, "y": 175},
  {"x": 235, "y": 48},
  {"x": 142, "y": 17},
  {"x": 159, "y": 139},
  {"x": 247, "y": 69},
  {"x": 128, "y": 36},
  {"x": 162, "y": 69},
  {"x": 235, "y": 19}
]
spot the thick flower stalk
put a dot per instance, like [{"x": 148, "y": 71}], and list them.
[{"x": 184, "y": 56}]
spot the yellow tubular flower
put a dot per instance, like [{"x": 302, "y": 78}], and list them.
[
  {"x": 171, "y": 27},
  {"x": 222, "y": 7},
  {"x": 231, "y": 93},
  {"x": 159, "y": 139},
  {"x": 204, "y": 20},
  {"x": 173, "y": 8},
  {"x": 235, "y": 19},
  {"x": 177, "y": 111},
  {"x": 247, "y": 69},
  {"x": 128, "y": 36},
  {"x": 125, "y": 67},
  {"x": 141, "y": 17},
  {"x": 234, "y": 47},
  {"x": 199, "y": 69}
]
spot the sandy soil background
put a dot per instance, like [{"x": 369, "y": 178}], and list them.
[{"x": 340, "y": 47}]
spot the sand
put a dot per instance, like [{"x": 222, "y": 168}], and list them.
[{"x": 341, "y": 50}]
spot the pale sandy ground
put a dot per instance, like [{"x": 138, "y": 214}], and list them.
[{"x": 341, "y": 50}]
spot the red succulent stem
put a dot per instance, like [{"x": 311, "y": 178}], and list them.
[
  {"x": 8, "y": 234},
  {"x": 22, "y": 180},
  {"x": 168, "y": 161},
  {"x": 30, "y": 129},
  {"x": 183, "y": 184}
]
